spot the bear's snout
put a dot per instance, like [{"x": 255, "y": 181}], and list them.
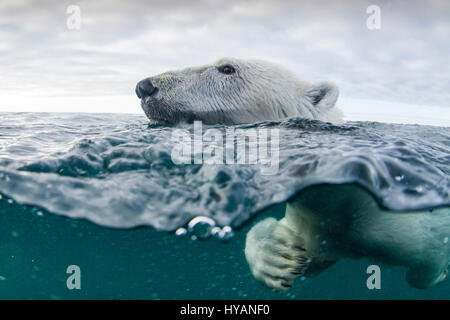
[{"x": 145, "y": 88}]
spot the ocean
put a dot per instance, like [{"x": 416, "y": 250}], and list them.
[{"x": 106, "y": 193}]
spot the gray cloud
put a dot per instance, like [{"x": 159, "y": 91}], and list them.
[{"x": 121, "y": 42}]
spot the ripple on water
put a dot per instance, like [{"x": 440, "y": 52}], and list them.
[{"x": 116, "y": 170}]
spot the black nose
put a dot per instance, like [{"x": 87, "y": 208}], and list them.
[{"x": 145, "y": 89}]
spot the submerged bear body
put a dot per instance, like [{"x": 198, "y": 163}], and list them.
[{"x": 315, "y": 234}]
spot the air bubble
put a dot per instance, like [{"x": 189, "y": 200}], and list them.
[
  {"x": 215, "y": 231},
  {"x": 181, "y": 232},
  {"x": 399, "y": 178},
  {"x": 226, "y": 233},
  {"x": 201, "y": 227},
  {"x": 415, "y": 191}
]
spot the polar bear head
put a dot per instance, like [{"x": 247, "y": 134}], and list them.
[{"x": 234, "y": 91}]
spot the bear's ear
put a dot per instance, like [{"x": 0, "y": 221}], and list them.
[{"x": 322, "y": 94}]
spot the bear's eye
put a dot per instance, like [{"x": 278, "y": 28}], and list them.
[{"x": 226, "y": 69}]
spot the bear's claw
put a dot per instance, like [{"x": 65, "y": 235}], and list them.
[{"x": 274, "y": 254}]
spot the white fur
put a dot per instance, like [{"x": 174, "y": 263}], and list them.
[
  {"x": 314, "y": 234},
  {"x": 257, "y": 91}
]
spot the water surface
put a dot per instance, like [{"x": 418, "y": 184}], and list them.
[{"x": 116, "y": 171}]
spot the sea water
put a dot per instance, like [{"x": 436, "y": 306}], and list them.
[{"x": 101, "y": 192}]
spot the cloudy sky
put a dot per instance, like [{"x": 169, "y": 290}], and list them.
[{"x": 95, "y": 68}]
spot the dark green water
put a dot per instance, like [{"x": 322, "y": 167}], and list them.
[
  {"x": 36, "y": 248},
  {"x": 101, "y": 192}
]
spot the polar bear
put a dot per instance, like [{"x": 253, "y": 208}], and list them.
[
  {"x": 315, "y": 234},
  {"x": 235, "y": 91}
]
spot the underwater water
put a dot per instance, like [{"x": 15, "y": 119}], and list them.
[{"x": 102, "y": 192}]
